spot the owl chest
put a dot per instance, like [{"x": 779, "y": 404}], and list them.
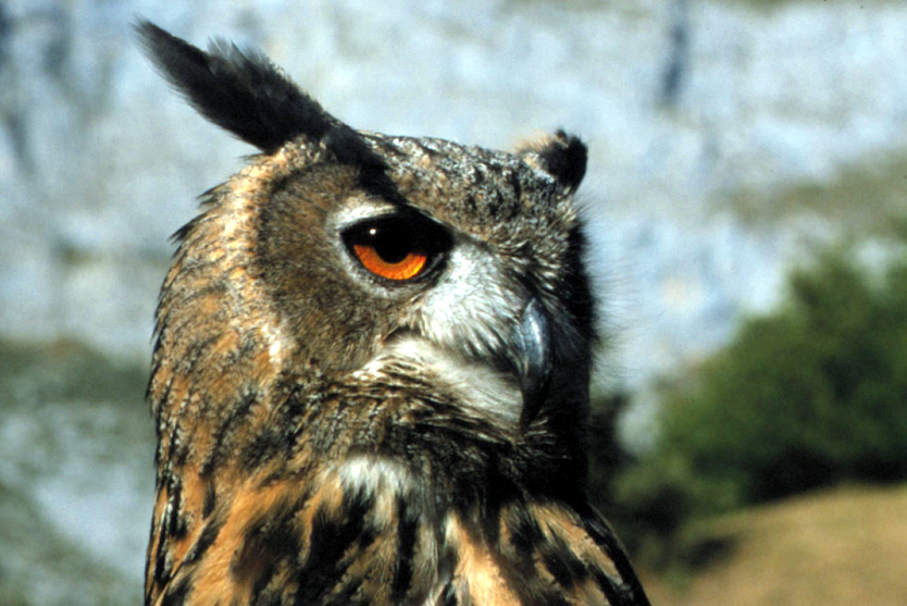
[
  {"x": 414, "y": 543},
  {"x": 393, "y": 535}
]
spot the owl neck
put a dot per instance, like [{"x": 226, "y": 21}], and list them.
[{"x": 468, "y": 455}]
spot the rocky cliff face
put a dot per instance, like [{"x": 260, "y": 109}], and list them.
[{"x": 682, "y": 104}]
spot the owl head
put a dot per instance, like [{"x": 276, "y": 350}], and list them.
[{"x": 344, "y": 253}]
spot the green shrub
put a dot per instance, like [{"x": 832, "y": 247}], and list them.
[{"x": 812, "y": 394}]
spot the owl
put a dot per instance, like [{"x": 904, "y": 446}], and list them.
[{"x": 370, "y": 375}]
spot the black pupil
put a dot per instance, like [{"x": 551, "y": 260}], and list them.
[{"x": 391, "y": 242}]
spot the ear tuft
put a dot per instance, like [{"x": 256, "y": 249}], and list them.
[
  {"x": 561, "y": 155},
  {"x": 240, "y": 91}
]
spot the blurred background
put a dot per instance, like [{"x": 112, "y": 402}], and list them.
[{"x": 747, "y": 202}]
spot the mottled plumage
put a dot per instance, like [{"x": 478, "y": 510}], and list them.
[{"x": 371, "y": 368}]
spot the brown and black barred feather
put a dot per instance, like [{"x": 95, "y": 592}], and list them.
[{"x": 305, "y": 454}]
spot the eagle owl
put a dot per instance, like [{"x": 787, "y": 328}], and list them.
[{"x": 371, "y": 366}]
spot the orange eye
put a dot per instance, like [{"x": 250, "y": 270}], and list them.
[
  {"x": 399, "y": 247},
  {"x": 403, "y": 269}
]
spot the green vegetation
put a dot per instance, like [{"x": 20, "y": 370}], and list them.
[
  {"x": 66, "y": 370},
  {"x": 74, "y": 425},
  {"x": 773, "y": 4},
  {"x": 809, "y": 396},
  {"x": 865, "y": 199}
]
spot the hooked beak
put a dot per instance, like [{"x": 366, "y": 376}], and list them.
[{"x": 532, "y": 358}]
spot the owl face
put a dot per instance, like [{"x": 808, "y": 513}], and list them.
[{"x": 456, "y": 260}]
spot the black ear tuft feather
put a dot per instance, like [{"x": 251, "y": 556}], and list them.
[
  {"x": 240, "y": 91},
  {"x": 563, "y": 156}
]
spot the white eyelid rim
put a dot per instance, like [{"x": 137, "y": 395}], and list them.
[{"x": 358, "y": 209}]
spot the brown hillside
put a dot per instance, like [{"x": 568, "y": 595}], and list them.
[{"x": 844, "y": 546}]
